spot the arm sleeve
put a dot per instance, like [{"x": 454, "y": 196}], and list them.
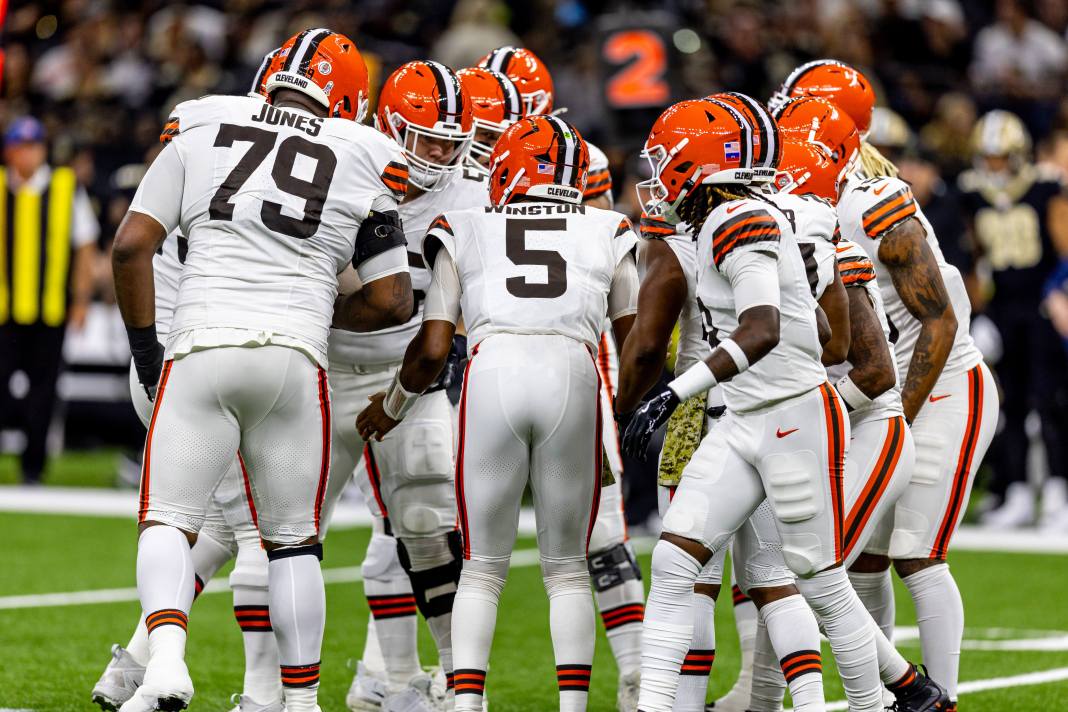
[
  {"x": 623, "y": 294},
  {"x": 754, "y": 278},
  {"x": 392, "y": 261},
  {"x": 443, "y": 296},
  {"x": 160, "y": 194},
  {"x": 84, "y": 229}
]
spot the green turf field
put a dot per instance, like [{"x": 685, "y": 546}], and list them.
[{"x": 53, "y": 655}]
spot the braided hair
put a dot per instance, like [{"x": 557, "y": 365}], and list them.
[{"x": 703, "y": 199}]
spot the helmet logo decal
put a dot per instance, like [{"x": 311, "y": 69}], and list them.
[{"x": 324, "y": 67}]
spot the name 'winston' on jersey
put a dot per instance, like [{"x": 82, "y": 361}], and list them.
[
  {"x": 272, "y": 203},
  {"x": 868, "y": 210},
  {"x": 815, "y": 225},
  {"x": 533, "y": 268},
  {"x": 793, "y": 367},
  {"x": 858, "y": 272},
  {"x": 466, "y": 189}
]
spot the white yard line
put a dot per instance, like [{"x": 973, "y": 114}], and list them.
[{"x": 350, "y": 512}]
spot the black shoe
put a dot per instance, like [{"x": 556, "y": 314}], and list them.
[{"x": 921, "y": 694}]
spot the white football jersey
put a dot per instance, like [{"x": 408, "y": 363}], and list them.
[
  {"x": 858, "y": 272},
  {"x": 692, "y": 346},
  {"x": 166, "y": 271},
  {"x": 533, "y": 268},
  {"x": 271, "y": 201},
  {"x": 815, "y": 224},
  {"x": 793, "y": 367},
  {"x": 466, "y": 189},
  {"x": 869, "y": 209}
]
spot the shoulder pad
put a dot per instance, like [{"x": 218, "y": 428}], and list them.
[
  {"x": 395, "y": 177},
  {"x": 624, "y": 227},
  {"x": 854, "y": 265},
  {"x": 879, "y": 205},
  {"x": 743, "y": 223}
]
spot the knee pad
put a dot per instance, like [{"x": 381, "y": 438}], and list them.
[
  {"x": 416, "y": 471},
  {"x": 804, "y": 553},
  {"x": 564, "y": 576},
  {"x": 286, "y": 552},
  {"x": 250, "y": 568},
  {"x": 434, "y": 587},
  {"x": 789, "y": 480},
  {"x": 484, "y": 579},
  {"x": 381, "y": 561},
  {"x": 613, "y": 567}
]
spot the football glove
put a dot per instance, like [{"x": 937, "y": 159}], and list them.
[
  {"x": 147, "y": 354},
  {"x": 649, "y": 418}
]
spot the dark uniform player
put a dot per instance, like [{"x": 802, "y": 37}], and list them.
[{"x": 1012, "y": 206}]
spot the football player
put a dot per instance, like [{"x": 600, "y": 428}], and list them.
[
  {"x": 495, "y": 105},
  {"x": 1017, "y": 215},
  {"x": 533, "y": 277},
  {"x": 614, "y": 570},
  {"x": 407, "y": 478},
  {"x": 784, "y": 432},
  {"x": 948, "y": 395},
  {"x": 228, "y": 529},
  {"x": 248, "y": 374}
]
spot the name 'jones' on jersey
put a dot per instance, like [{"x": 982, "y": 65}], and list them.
[{"x": 271, "y": 201}]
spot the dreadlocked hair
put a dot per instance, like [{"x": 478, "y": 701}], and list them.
[
  {"x": 703, "y": 199},
  {"x": 875, "y": 164}
]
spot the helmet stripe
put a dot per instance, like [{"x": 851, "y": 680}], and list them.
[
  {"x": 449, "y": 95},
  {"x": 499, "y": 59},
  {"x": 261, "y": 73},
  {"x": 746, "y": 159},
  {"x": 304, "y": 49},
  {"x": 513, "y": 103},
  {"x": 765, "y": 128},
  {"x": 567, "y": 152}
]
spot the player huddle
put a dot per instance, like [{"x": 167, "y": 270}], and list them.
[{"x": 301, "y": 290}]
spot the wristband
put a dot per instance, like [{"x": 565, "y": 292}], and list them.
[
  {"x": 147, "y": 353},
  {"x": 854, "y": 397},
  {"x": 398, "y": 401},
  {"x": 696, "y": 379},
  {"x": 741, "y": 361}
]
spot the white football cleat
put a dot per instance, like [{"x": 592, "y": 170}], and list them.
[
  {"x": 244, "y": 703},
  {"x": 367, "y": 692},
  {"x": 119, "y": 681},
  {"x": 1018, "y": 509},
  {"x": 167, "y": 687},
  {"x": 416, "y": 697},
  {"x": 627, "y": 691}
]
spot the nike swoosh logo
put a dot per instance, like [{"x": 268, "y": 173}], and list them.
[
  {"x": 781, "y": 434},
  {"x": 732, "y": 209},
  {"x": 879, "y": 191},
  {"x": 935, "y": 399}
]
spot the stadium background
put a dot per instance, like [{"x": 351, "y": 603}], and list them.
[{"x": 101, "y": 75}]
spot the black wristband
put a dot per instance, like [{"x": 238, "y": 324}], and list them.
[{"x": 147, "y": 353}]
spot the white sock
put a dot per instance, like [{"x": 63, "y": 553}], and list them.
[
  {"x": 852, "y": 637},
  {"x": 769, "y": 686},
  {"x": 745, "y": 622},
  {"x": 208, "y": 557},
  {"x": 795, "y": 637},
  {"x": 697, "y": 666},
  {"x": 392, "y": 629},
  {"x": 298, "y": 611},
  {"x": 622, "y": 608},
  {"x": 572, "y": 625},
  {"x": 475, "y": 618},
  {"x": 262, "y": 682},
  {"x": 940, "y": 617},
  {"x": 876, "y": 592},
  {"x": 668, "y": 626},
  {"x": 165, "y": 587}
]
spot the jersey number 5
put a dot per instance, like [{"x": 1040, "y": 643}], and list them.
[
  {"x": 312, "y": 191},
  {"x": 515, "y": 245}
]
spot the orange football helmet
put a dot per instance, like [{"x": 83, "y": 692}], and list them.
[
  {"x": 529, "y": 74},
  {"x": 325, "y": 66},
  {"x": 694, "y": 142},
  {"x": 820, "y": 122},
  {"x": 835, "y": 81},
  {"x": 767, "y": 145},
  {"x": 539, "y": 156},
  {"x": 806, "y": 169},
  {"x": 424, "y": 108},
  {"x": 495, "y": 105}
]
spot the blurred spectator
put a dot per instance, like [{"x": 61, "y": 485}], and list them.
[
  {"x": 477, "y": 26},
  {"x": 1020, "y": 63},
  {"x": 948, "y": 133},
  {"x": 47, "y": 249},
  {"x": 1019, "y": 217}
]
